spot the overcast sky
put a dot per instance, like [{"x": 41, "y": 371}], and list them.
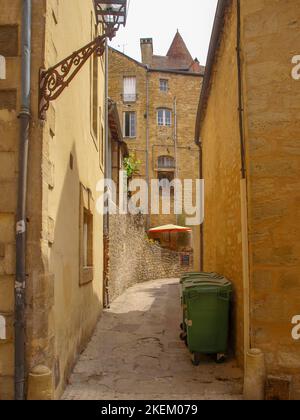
[{"x": 160, "y": 19}]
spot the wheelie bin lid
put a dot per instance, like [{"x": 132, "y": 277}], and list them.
[
  {"x": 206, "y": 285},
  {"x": 189, "y": 276}
]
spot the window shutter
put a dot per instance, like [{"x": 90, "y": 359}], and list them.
[{"x": 129, "y": 88}]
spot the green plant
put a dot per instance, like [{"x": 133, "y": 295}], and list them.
[{"x": 131, "y": 165}]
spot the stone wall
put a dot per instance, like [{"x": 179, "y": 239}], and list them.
[
  {"x": 134, "y": 259},
  {"x": 272, "y": 132},
  {"x": 273, "y": 148},
  {"x": 221, "y": 172}
]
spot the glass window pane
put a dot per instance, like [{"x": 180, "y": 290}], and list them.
[
  {"x": 160, "y": 117},
  {"x": 127, "y": 124},
  {"x": 132, "y": 124},
  {"x": 168, "y": 118},
  {"x": 163, "y": 85}
]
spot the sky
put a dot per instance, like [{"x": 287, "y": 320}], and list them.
[{"x": 160, "y": 19}]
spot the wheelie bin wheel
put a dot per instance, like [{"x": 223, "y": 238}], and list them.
[
  {"x": 182, "y": 336},
  {"x": 196, "y": 359},
  {"x": 220, "y": 358}
]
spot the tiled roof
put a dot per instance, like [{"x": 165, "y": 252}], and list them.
[
  {"x": 178, "y": 49},
  {"x": 178, "y": 58}
]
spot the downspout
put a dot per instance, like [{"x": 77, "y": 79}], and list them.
[
  {"x": 240, "y": 91},
  {"x": 175, "y": 145},
  {"x": 107, "y": 159},
  {"x": 202, "y": 224},
  {"x": 243, "y": 188},
  {"x": 20, "y": 285},
  {"x": 147, "y": 146},
  {"x": 106, "y": 300}
]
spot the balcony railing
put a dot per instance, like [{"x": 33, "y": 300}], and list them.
[{"x": 129, "y": 97}]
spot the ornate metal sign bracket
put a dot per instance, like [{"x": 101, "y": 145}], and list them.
[
  {"x": 110, "y": 14},
  {"x": 54, "y": 80}
]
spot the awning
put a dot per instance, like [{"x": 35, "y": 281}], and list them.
[{"x": 170, "y": 228}]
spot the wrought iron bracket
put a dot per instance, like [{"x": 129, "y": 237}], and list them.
[{"x": 52, "y": 82}]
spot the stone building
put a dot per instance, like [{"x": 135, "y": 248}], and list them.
[
  {"x": 157, "y": 101},
  {"x": 248, "y": 128},
  {"x": 64, "y": 251}
]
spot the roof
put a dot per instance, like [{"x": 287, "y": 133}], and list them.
[
  {"x": 163, "y": 69},
  {"x": 216, "y": 37},
  {"x": 178, "y": 49},
  {"x": 178, "y": 58}
]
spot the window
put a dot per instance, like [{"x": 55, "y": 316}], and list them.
[
  {"x": 129, "y": 89},
  {"x": 130, "y": 124},
  {"x": 164, "y": 117},
  {"x": 9, "y": 40},
  {"x": 86, "y": 232},
  {"x": 2, "y": 68},
  {"x": 87, "y": 238},
  {"x": 101, "y": 147},
  {"x": 2, "y": 328},
  {"x": 8, "y": 99},
  {"x": 166, "y": 162},
  {"x": 165, "y": 181},
  {"x": 164, "y": 85}
]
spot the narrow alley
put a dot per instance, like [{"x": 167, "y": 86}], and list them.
[
  {"x": 136, "y": 354},
  {"x": 149, "y": 199}
]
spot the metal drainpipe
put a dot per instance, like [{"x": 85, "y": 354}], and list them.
[
  {"x": 106, "y": 299},
  {"x": 20, "y": 285},
  {"x": 240, "y": 91},
  {"x": 244, "y": 195},
  {"x": 107, "y": 159},
  {"x": 147, "y": 146},
  {"x": 175, "y": 147},
  {"x": 202, "y": 224}
]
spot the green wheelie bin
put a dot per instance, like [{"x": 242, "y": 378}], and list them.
[
  {"x": 207, "y": 306},
  {"x": 188, "y": 280}
]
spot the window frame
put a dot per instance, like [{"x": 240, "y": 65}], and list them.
[
  {"x": 129, "y": 97},
  {"x": 86, "y": 213},
  {"x": 130, "y": 136},
  {"x": 165, "y": 175},
  {"x": 166, "y": 88},
  {"x": 162, "y": 122},
  {"x": 162, "y": 167}
]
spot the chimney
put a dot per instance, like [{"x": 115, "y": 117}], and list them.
[{"x": 147, "y": 50}]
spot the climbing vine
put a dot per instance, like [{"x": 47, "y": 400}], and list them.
[{"x": 131, "y": 165}]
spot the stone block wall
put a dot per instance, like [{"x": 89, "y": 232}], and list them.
[
  {"x": 273, "y": 149},
  {"x": 134, "y": 259},
  {"x": 221, "y": 172}
]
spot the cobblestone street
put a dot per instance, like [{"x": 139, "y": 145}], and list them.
[{"x": 136, "y": 354}]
